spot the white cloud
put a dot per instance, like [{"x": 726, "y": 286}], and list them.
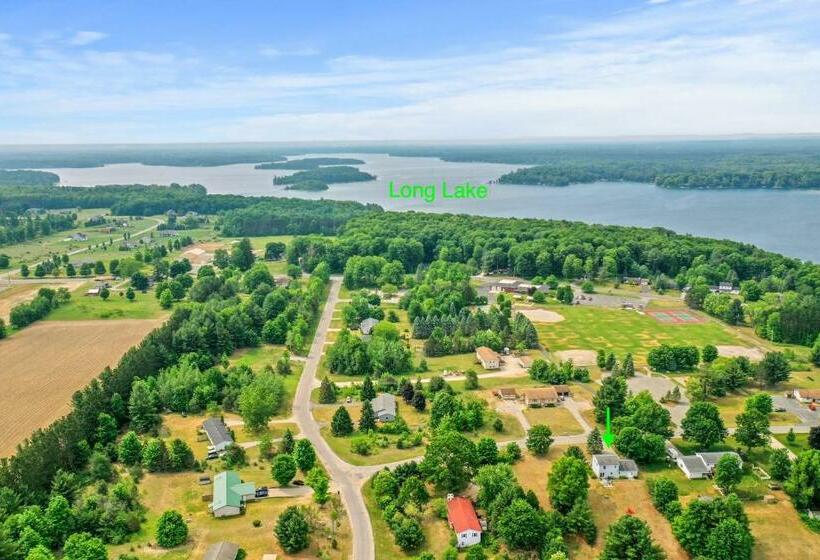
[
  {"x": 82, "y": 38},
  {"x": 696, "y": 67},
  {"x": 273, "y": 52}
]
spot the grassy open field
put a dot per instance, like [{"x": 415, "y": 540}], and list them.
[
  {"x": 622, "y": 331},
  {"x": 44, "y": 364},
  {"x": 60, "y": 242},
  {"x": 801, "y": 442},
  {"x": 117, "y": 306},
  {"x": 558, "y": 418}
]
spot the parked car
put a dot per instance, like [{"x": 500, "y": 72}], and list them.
[
  {"x": 298, "y": 482},
  {"x": 349, "y": 399},
  {"x": 780, "y": 409},
  {"x": 212, "y": 455},
  {"x": 262, "y": 492}
]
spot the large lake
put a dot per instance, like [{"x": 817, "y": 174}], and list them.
[{"x": 786, "y": 222}]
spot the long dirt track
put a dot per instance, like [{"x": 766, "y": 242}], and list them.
[{"x": 44, "y": 364}]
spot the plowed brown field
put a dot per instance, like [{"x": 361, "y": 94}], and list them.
[{"x": 44, "y": 364}]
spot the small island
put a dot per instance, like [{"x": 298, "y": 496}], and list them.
[
  {"x": 309, "y": 185},
  {"x": 309, "y": 163},
  {"x": 334, "y": 174}
]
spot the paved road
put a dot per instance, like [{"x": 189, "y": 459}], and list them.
[{"x": 347, "y": 478}]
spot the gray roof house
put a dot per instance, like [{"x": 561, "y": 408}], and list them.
[
  {"x": 222, "y": 550},
  {"x": 384, "y": 407},
  {"x": 367, "y": 325},
  {"x": 609, "y": 465},
  {"x": 217, "y": 433},
  {"x": 699, "y": 465}
]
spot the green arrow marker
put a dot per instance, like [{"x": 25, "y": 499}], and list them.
[{"x": 609, "y": 437}]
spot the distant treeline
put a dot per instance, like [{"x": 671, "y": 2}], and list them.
[
  {"x": 17, "y": 228},
  {"x": 27, "y": 177},
  {"x": 333, "y": 174},
  {"x": 723, "y": 175},
  {"x": 309, "y": 163},
  {"x": 204, "y": 155}
]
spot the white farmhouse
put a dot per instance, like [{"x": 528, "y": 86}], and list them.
[
  {"x": 463, "y": 520},
  {"x": 608, "y": 466}
]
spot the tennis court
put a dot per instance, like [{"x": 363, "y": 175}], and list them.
[{"x": 676, "y": 316}]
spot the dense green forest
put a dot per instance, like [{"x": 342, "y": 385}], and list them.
[
  {"x": 572, "y": 250},
  {"x": 278, "y": 216},
  {"x": 17, "y": 228},
  {"x": 333, "y": 174},
  {"x": 309, "y": 163},
  {"x": 309, "y": 185},
  {"x": 26, "y": 177}
]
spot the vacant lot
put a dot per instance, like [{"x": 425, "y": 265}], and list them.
[{"x": 44, "y": 364}]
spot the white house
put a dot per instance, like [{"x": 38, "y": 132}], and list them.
[
  {"x": 699, "y": 465},
  {"x": 489, "y": 358},
  {"x": 463, "y": 521},
  {"x": 217, "y": 433},
  {"x": 608, "y": 465}
]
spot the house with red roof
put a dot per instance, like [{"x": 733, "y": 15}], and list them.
[{"x": 463, "y": 520}]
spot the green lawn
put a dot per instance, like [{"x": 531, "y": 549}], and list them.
[
  {"x": 269, "y": 354},
  {"x": 801, "y": 442},
  {"x": 621, "y": 331},
  {"x": 117, "y": 306}
]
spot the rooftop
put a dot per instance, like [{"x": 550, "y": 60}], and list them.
[
  {"x": 217, "y": 431},
  {"x": 607, "y": 459},
  {"x": 487, "y": 354},
  {"x": 367, "y": 325},
  {"x": 545, "y": 393},
  {"x": 461, "y": 515},
  {"x": 384, "y": 403},
  {"x": 222, "y": 550}
]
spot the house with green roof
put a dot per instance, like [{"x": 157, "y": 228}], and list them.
[{"x": 230, "y": 494}]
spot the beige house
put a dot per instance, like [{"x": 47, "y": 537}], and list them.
[
  {"x": 489, "y": 358},
  {"x": 546, "y": 396},
  {"x": 506, "y": 394},
  {"x": 807, "y": 395}
]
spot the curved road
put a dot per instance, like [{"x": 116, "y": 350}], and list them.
[{"x": 346, "y": 477}]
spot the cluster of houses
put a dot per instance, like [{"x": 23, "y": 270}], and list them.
[
  {"x": 535, "y": 397},
  {"x": 608, "y": 466}
]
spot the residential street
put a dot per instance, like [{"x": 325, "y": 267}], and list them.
[{"x": 344, "y": 475}]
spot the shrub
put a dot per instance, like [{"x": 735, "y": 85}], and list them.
[{"x": 171, "y": 529}]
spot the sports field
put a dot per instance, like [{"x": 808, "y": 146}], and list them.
[
  {"x": 44, "y": 364},
  {"x": 675, "y": 316},
  {"x": 622, "y": 331}
]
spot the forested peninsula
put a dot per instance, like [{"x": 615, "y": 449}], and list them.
[
  {"x": 309, "y": 185},
  {"x": 309, "y": 163},
  {"x": 333, "y": 174}
]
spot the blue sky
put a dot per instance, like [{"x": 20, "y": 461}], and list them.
[{"x": 124, "y": 71}]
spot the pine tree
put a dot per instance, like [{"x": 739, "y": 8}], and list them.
[
  {"x": 610, "y": 361},
  {"x": 600, "y": 359},
  {"x": 368, "y": 393},
  {"x": 287, "y": 443},
  {"x": 367, "y": 421},
  {"x": 628, "y": 367},
  {"x": 407, "y": 391},
  {"x": 419, "y": 401},
  {"x": 595, "y": 444},
  {"x": 341, "y": 425},
  {"x": 327, "y": 392}
]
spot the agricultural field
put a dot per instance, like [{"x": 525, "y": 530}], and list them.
[{"x": 38, "y": 385}]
